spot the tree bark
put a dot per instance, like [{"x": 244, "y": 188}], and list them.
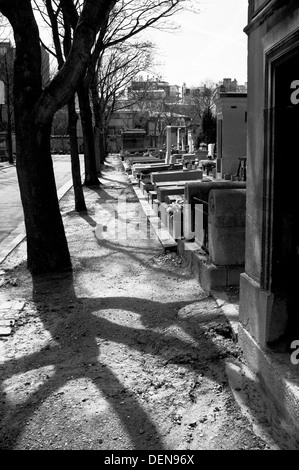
[
  {"x": 47, "y": 249},
  {"x": 97, "y": 126},
  {"x": 103, "y": 145},
  {"x": 72, "y": 115},
  {"x": 91, "y": 178},
  {"x": 80, "y": 205},
  {"x": 97, "y": 147}
]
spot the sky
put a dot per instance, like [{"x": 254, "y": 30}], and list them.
[{"x": 208, "y": 46}]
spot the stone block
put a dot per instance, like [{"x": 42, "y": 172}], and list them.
[
  {"x": 163, "y": 213},
  {"x": 250, "y": 315},
  {"x": 206, "y": 273},
  {"x": 201, "y": 190},
  {"x": 145, "y": 187},
  {"x": 176, "y": 175},
  {"x": 157, "y": 167},
  {"x": 175, "y": 224},
  {"x": 214, "y": 276},
  {"x": 172, "y": 198},
  {"x": 151, "y": 196},
  {"x": 156, "y": 205},
  {"x": 187, "y": 222},
  {"x": 199, "y": 232},
  {"x": 167, "y": 184},
  {"x": 227, "y": 207},
  {"x": 162, "y": 192},
  {"x": 226, "y": 228},
  {"x": 227, "y": 245},
  {"x": 277, "y": 377}
]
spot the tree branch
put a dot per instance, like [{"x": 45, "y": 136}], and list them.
[{"x": 65, "y": 83}]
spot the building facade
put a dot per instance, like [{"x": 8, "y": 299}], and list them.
[
  {"x": 269, "y": 308},
  {"x": 231, "y": 114}
]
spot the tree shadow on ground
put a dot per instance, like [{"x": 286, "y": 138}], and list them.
[
  {"x": 78, "y": 346},
  {"x": 139, "y": 256},
  {"x": 88, "y": 218},
  {"x": 121, "y": 183}
]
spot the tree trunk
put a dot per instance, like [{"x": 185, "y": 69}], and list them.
[
  {"x": 35, "y": 107},
  {"x": 47, "y": 248},
  {"x": 97, "y": 128},
  {"x": 9, "y": 127},
  {"x": 9, "y": 141},
  {"x": 97, "y": 147},
  {"x": 76, "y": 173},
  {"x": 103, "y": 146},
  {"x": 91, "y": 178}
]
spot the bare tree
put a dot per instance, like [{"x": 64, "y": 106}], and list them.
[
  {"x": 125, "y": 20},
  {"x": 58, "y": 19},
  {"x": 116, "y": 68},
  {"x": 199, "y": 105},
  {"x": 61, "y": 19},
  {"x": 34, "y": 107}
]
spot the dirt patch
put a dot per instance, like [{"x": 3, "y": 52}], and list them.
[
  {"x": 233, "y": 294},
  {"x": 127, "y": 352}
]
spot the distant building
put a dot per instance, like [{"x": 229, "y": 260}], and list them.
[
  {"x": 150, "y": 86},
  {"x": 174, "y": 93},
  {"x": 7, "y": 56},
  {"x": 188, "y": 91},
  {"x": 150, "y": 104},
  {"x": 231, "y": 113},
  {"x": 231, "y": 86}
]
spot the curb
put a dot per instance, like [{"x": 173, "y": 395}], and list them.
[{"x": 163, "y": 235}]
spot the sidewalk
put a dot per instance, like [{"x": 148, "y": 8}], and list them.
[
  {"x": 5, "y": 165},
  {"x": 127, "y": 352},
  {"x": 18, "y": 234}
]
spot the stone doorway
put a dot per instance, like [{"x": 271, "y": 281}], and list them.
[{"x": 283, "y": 243}]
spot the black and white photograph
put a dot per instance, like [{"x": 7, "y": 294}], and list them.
[{"x": 149, "y": 235}]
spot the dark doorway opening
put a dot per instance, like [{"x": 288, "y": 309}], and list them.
[{"x": 285, "y": 234}]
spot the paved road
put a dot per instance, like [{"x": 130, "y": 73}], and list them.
[{"x": 11, "y": 213}]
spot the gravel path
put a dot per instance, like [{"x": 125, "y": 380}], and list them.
[{"x": 126, "y": 353}]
